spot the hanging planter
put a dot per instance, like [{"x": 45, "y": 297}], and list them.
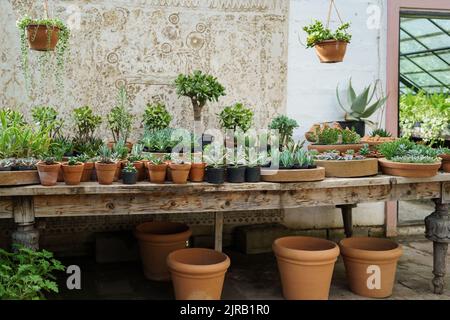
[{"x": 330, "y": 46}]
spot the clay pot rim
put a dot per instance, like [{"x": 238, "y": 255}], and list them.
[
  {"x": 198, "y": 165},
  {"x": 444, "y": 157},
  {"x": 163, "y": 237},
  {"x": 330, "y": 41},
  {"x": 176, "y": 264},
  {"x": 347, "y": 249},
  {"x": 41, "y": 164},
  {"x": 407, "y": 165},
  {"x": 105, "y": 164},
  {"x": 66, "y": 165},
  {"x": 283, "y": 250},
  {"x": 348, "y": 161},
  {"x": 157, "y": 167},
  {"x": 181, "y": 167},
  {"x": 43, "y": 25}
]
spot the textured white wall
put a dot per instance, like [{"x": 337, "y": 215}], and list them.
[{"x": 311, "y": 94}]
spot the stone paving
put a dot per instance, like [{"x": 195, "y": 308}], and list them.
[{"x": 250, "y": 277}]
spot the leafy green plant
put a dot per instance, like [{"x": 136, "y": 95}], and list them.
[
  {"x": 136, "y": 153},
  {"x": 61, "y": 48},
  {"x": 105, "y": 155},
  {"x": 200, "y": 88},
  {"x": 364, "y": 151},
  {"x": 86, "y": 123},
  {"x": 441, "y": 151},
  {"x": 73, "y": 161},
  {"x": 237, "y": 116},
  {"x": 318, "y": 33},
  {"x": 160, "y": 141},
  {"x": 360, "y": 106},
  {"x": 27, "y": 274},
  {"x": 46, "y": 118},
  {"x": 285, "y": 127},
  {"x": 11, "y": 118},
  {"x": 156, "y": 160},
  {"x": 156, "y": 117},
  {"x": 49, "y": 160},
  {"x": 303, "y": 159},
  {"x": 83, "y": 158},
  {"x": 403, "y": 150},
  {"x": 235, "y": 157},
  {"x": 328, "y": 136},
  {"x": 120, "y": 150},
  {"x": 129, "y": 167},
  {"x": 120, "y": 119},
  {"x": 350, "y": 137}
]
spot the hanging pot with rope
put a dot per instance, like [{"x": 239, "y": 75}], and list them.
[{"x": 330, "y": 46}]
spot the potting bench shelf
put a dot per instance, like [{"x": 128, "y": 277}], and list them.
[{"x": 24, "y": 204}]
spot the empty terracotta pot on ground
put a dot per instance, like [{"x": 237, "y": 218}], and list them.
[
  {"x": 72, "y": 173},
  {"x": 157, "y": 172},
  {"x": 331, "y": 51},
  {"x": 410, "y": 170},
  {"x": 105, "y": 172},
  {"x": 306, "y": 266},
  {"x": 180, "y": 172},
  {"x": 48, "y": 174},
  {"x": 38, "y": 37},
  {"x": 197, "y": 173},
  {"x": 87, "y": 172},
  {"x": 370, "y": 265},
  {"x": 198, "y": 274},
  {"x": 156, "y": 241}
]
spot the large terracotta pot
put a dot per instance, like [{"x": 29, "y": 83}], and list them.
[
  {"x": 87, "y": 172},
  {"x": 292, "y": 175},
  {"x": 197, "y": 173},
  {"x": 445, "y": 162},
  {"x": 180, "y": 172},
  {"x": 72, "y": 174},
  {"x": 38, "y": 37},
  {"x": 350, "y": 168},
  {"x": 48, "y": 174},
  {"x": 105, "y": 172},
  {"x": 370, "y": 265},
  {"x": 410, "y": 170},
  {"x": 156, "y": 241},
  {"x": 306, "y": 266},
  {"x": 198, "y": 274},
  {"x": 157, "y": 172},
  {"x": 342, "y": 148},
  {"x": 331, "y": 51}
]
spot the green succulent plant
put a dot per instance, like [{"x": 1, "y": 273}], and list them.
[
  {"x": 156, "y": 117},
  {"x": 130, "y": 168},
  {"x": 105, "y": 155},
  {"x": 236, "y": 117},
  {"x": 381, "y": 133},
  {"x": 285, "y": 127},
  {"x": 214, "y": 155}
]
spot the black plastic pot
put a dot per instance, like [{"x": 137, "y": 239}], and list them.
[
  {"x": 236, "y": 174},
  {"x": 23, "y": 168},
  {"x": 215, "y": 175},
  {"x": 253, "y": 174},
  {"x": 129, "y": 177},
  {"x": 5, "y": 168},
  {"x": 358, "y": 126}
]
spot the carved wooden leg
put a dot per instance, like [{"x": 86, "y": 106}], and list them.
[
  {"x": 218, "y": 231},
  {"x": 347, "y": 218},
  {"x": 437, "y": 229},
  {"x": 25, "y": 234}
]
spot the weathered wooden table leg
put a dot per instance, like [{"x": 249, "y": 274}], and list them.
[
  {"x": 26, "y": 234},
  {"x": 347, "y": 218},
  {"x": 218, "y": 231},
  {"x": 437, "y": 229}
]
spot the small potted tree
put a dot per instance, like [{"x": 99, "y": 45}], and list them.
[
  {"x": 285, "y": 127},
  {"x": 200, "y": 88},
  {"x": 129, "y": 174},
  {"x": 105, "y": 167},
  {"x": 236, "y": 117},
  {"x": 72, "y": 171},
  {"x": 120, "y": 120},
  {"x": 156, "y": 117},
  {"x": 48, "y": 170}
]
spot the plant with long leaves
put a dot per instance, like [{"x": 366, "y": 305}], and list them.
[{"x": 120, "y": 119}]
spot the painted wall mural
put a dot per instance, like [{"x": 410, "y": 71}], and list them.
[{"x": 145, "y": 44}]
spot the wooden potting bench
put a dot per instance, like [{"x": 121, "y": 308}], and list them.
[{"x": 24, "y": 204}]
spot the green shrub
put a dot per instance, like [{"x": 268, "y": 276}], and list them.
[
  {"x": 235, "y": 117},
  {"x": 120, "y": 120},
  {"x": 317, "y": 33},
  {"x": 156, "y": 117}
]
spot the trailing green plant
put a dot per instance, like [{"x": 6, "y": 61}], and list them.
[
  {"x": 318, "y": 33},
  {"x": 61, "y": 49},
  {"x": 236, "y": 116},
  {"x": 156, "y": 117},
  {"x": 130, "y": 168},
  {"x": 27, "y": 274},
  {"x": 285, "y": 127},
  {"x": 361, "y": 106},
  {"x": 105, "y": 155},
  {"x": 214, "y": 155},
  {"x": 200, "y": 88},
  {"x": 46, "y": 118},
  {"x": 120, "y": 120},
  {"x": 381, "y": 133},
  {"x": 443, "y": 151}
]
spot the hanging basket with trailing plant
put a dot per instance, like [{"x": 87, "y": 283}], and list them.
[{"x": 330, "y": 46}]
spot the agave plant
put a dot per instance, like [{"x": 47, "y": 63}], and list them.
[{"x": 360, "y": 107}]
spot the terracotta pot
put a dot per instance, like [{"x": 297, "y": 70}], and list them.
[
  {"x": 197, "y": 173},
  {"x": 145, "y": 174},
  {"x": 350, "y": 168},
  {"x": 331, "y": 51},
  {"x": 306, "y": 266},
  {"x": 157, "y": 172},
  {"x": 367, "y": 258},
  {"x": 156, "y": 241},
  {"x": 60, "y": 175},
  {"x": 293, "y": 175},
  {"x": 342, "y": 148},
  {"x": 410, "y": 170},
  {"x": 445, "y": 162},
  {"x": 87, "y": 172},
  {"x": 72, "y": 174},
  {"x": 38, "y": 37},
  {"x": 129, "y": 145},
  {"x": 105, "y": 172},
  {"x": 198, "y": 274},
  {"x": 48, "y": 174},
  {"x": 140, "y": 167},
  {"x": 118, "y": 173},
  {"x": 180, "y": 172}
]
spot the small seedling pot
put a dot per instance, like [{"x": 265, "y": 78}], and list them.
[
  {"x": 253, "y": 174},
  {"x": 236, "y": 174},
  {"x": 129, "y": 177},
  {"x": 215, "y": 175}
]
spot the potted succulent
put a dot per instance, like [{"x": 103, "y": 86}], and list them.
[
  {"x": 48, "y": 170},
  {"x": 86, "y": 125},
  {"x": 377, "y": 137},
  {"x": 444, "y": 154},
  {"x": 407, "y": 159},
  {"x": 180, "y": 171},
  {"x": 214, "y": 156},
  {"x": 160, "y": 143},
  {"x": 235, "y": 160},
  {"x": 253, "y": 168},
  {"x": 105, "y": 167},
  {"x": 360, "y": 107},
  {"x": 157, "y": 170},
  {"x": 72, "y": 171},
  {"x": 156, "y": 117},
  {"x": 330, "y": 46},
  {"x": 325, "y": 138},
  {"x": 137, "y": 159},
  {"x": 120, "y": 120},
  {"x": 88, "y": 167},
  {"x": 6, "y": 164},
  {"x": 129, "y": 174},
  {"x": 120, "y": 154},
  {"x": 200, "y": 88},
  {"x": 285, "y": 127},
  {"x": 347, "y": 164}
]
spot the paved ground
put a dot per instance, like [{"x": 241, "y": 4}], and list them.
[{"x": 250, "y": 277}]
